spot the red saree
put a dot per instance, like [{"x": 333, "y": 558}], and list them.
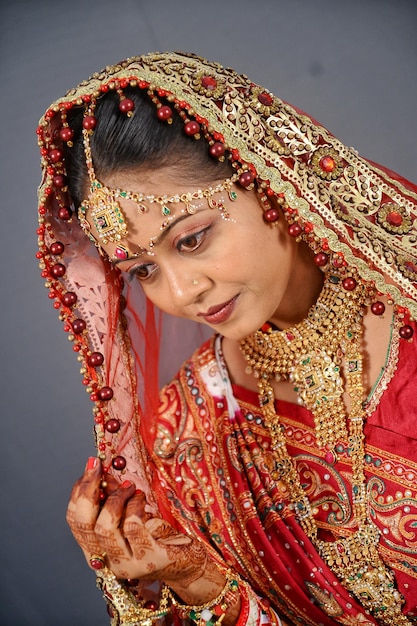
[
  {"x": 211, "y": 453},
  {"x": 209, "y": 449}
]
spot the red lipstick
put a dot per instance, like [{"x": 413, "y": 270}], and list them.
[{"x": 220, "y": 313}]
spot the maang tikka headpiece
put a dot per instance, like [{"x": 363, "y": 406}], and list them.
[{"x": 106, "y": 213}]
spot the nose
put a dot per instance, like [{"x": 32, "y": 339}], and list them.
[{"x": 186, "y": 287}]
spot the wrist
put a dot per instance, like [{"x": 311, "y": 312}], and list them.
[
  {"x": 223, "y": 607},
  {"x": 124, "y": 607},
  {"x": 200, "y": 589}
]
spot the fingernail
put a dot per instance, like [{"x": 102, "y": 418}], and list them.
[
  {"x": 126, "y": 484},
  {"x": 91, "y": 463}
]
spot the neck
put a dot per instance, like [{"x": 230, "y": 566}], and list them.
[{"x": 302, "y": 291}]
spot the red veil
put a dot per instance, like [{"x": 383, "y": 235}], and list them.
[{"x": 361, "y": 214}]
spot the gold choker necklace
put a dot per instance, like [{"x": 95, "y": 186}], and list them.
[{"x": 310, "y": 355}]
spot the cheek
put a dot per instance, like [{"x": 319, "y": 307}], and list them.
[
  {"x": 156, "y": 296},
  {"x": 161, "y": 297},
  {"x": 263, "y": 251}
]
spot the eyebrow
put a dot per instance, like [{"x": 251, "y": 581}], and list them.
[{"x": 156, "y": 240}]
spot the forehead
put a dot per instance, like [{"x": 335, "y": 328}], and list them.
[
  {"x": 133, "y": 207},
  {"x": 166, "y": 181},
  {"x": 162, "y": 192}
]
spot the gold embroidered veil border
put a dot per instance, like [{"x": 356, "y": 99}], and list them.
[{"x": 356, "y": 207}]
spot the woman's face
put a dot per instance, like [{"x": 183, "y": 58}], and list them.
[{"x": 231, "y": 273}]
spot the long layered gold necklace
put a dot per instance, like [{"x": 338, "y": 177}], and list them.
[{"x": 310, "y": 356}]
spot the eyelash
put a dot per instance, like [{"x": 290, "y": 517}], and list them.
[{"x": 199, "y": 235}]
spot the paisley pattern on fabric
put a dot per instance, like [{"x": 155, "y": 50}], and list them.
[{"x": 217, "y": 474}]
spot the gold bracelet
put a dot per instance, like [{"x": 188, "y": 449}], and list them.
[
  {"x": 126, "y": 610},
  {"x": 211, "y": 612}
]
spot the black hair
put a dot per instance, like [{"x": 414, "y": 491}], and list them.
[{"x": 122, "y": 143}]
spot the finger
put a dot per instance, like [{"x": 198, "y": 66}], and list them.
[
  {"x": 136, "y": 507},
  {"x": 138, "y": 536},
  {"x": 109, "y": 484},
  {"x": 74, "y": 496},
  {"x": 114, "y": 508},
  {"x": 144, "y": 537},
  {"x": 84, "y": 506},
  {"x": 109, "y": 522},
  {"x": 144, "y": 547},
  {"x": 164, "y": 532},
  {"x": 84, "y": 535},
  {"x": 91, "y": 479},
  {"x": 79, "y": 489}
]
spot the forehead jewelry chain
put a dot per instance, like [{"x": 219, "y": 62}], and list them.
[
  {"x": 103, "y": 208},
  {"x": 187, "y": 199}
]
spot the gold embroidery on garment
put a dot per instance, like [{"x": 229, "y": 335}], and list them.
[
  {"x": 241, "y": 547},
  {"x": 326, "y": 600}
]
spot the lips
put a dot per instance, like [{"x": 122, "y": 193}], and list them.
[{"x": 220, "y": 313}]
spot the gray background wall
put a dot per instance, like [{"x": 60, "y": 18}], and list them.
[{"x": 351, "y": 64}]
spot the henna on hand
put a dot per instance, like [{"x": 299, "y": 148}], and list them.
[
  {"x": 163, "y": 552},
  {"x": 84, "y": 534},
  {"x": 136, "y": 544},
  {"x": 83, "y": 508},
  {"x": 187, "y": 562},
  {"x": 114, "y": 550}
]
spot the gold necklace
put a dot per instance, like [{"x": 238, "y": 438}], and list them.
[{"x": 310, "y": 355}]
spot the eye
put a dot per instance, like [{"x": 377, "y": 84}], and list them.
[
  {"x": 142, "y": 272},
  {"x": 191, "y": 242}
]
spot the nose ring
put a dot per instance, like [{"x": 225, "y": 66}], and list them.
[{"x": 195, "y": 281}]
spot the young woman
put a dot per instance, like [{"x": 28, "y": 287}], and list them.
[{"x": 274, "y": 477}]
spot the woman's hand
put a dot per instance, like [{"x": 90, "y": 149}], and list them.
[{"x": 136, "y": 545}]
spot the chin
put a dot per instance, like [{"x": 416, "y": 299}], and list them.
[{"x": 237, "y": 334}]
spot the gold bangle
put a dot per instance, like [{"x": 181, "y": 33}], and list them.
[
  {"x": 125, "y": 608},
  {"x": 213, "y": 611}
]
